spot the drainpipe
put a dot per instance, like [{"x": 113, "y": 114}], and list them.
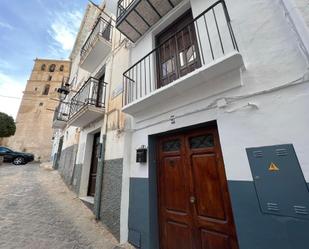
[{"x": 101, "y": 160}]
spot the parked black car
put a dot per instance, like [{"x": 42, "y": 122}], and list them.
[{"x": 15, "y": 157}]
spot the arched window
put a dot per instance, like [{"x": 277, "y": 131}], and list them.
[
  {"x": 43, "y": 67},
  {"x": 46, "y": 89},
  {"x": 61, "y": 68},
  {"x": 52, "y": 68}
]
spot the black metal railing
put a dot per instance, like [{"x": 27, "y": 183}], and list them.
[
  {"x": 62, "y": 112},
  {"x": 206, "y": 38},
  {"x": 93, "y": 92},
  {"x": 123, "y": 6},
  {"x": 103, "y": 28}
]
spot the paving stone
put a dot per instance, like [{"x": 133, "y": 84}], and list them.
[{"x": 37, "y": 211}]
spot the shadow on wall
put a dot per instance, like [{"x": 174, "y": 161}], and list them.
[{"x": 67, "y": 167}]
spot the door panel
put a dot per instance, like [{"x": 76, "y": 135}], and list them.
[
  {"x": 207, "y": 183},
  {"x": 193, "y": 200},
  {"x": 178, "y": 235},
  {"x": 174, "y": 214},
  {"x": 213, "y": 240},
  {"x": 175, "y": 195}
]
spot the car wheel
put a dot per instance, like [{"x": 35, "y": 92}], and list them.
[{"x": 18, "y": 161}]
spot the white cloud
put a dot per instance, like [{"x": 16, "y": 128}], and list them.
[
  {"x": 6, "y": 25},
  {"x": 10, "y": 94},
  {"x": 64, "y": 29}
]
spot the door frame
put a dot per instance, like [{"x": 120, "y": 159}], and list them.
[
  {"x": 154, "y": 229},
  {"x": 96, "y": 135}
]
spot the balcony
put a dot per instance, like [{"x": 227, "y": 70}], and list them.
[
  {"x": 135, "y": 17},
  {"x": 195, "y": 55},
  {"x": 97, "y": 46},
  {"x": 88, "y": 104},
  {"x": 61, "y": 116}
]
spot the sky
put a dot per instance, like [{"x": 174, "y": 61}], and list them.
[{"x": 32, "y": 29}]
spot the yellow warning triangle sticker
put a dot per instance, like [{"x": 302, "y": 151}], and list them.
[{"x": 273, "y": 167}]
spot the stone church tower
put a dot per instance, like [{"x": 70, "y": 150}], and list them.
[{"x": 34, "y": 120}]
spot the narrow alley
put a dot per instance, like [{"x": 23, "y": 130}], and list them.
[{"x": 37, "y": 211}]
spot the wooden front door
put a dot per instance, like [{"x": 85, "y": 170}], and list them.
[
  {"x": 178, "y": 51},
  {"x": 94, "y": 164},
  {"x": 193, "y": 200}
]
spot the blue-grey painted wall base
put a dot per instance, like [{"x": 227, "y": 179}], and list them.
[
  {"x": 111, "y": 195},
  {"x": 67, "y": 164},
  {"x": 255, "y": 230}
]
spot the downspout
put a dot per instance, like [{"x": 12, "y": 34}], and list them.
[{"x": 101, "y": 160}]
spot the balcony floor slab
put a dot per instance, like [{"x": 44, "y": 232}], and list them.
[
  {"x": 204, "y": 74},
  {"x": 86, "y": 115},
  {"x": 98, "y": 52}
]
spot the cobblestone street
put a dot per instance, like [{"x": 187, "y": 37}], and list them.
[{"x": 37, "y": 211}]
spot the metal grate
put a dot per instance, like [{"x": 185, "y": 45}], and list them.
[
  {"x": 273, "y": 207},
  {"x": 172, "y": 145},
  {"x": 202, "y": 142},
  {"x": 281, "y": 152},
  {"x": 302, "y": 210},
  {"x": 257, "y": 153}
]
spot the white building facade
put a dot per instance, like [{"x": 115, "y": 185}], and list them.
[
  {"x": 217, "y": 94},
  {"x": 89, "y": 118}
]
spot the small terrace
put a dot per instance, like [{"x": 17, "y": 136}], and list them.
[
  {"x": 198, "y": 52},
  {"x": 88, "y": 104},
  {"x": 98, "y": 45},
  {"x": 61, "y": 116}
]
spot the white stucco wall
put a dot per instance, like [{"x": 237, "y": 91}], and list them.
[{"x": 258, "y": 112}]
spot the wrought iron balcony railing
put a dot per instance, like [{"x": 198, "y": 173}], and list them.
[
  {"x": 102, "y": 28},
  {"x": 205, "y": 39},
  {"x": 123, "y": 6},
  {"x": 92, "y": 93},
  {"x": 62, "y": 112}
]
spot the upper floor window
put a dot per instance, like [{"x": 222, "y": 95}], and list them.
[
  {"x": 178, "y": 54},
  {"x": 61, "y": 68},
  {"x": 50, "y": 78},
  {"x": 52, "y": 68},
  {"x": 43, "y": 67},
  {"x": 46, "y": 89}
]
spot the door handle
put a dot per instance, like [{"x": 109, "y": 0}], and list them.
[{"x": 192, "y": 199}]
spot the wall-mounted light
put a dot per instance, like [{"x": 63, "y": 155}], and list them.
[
  {"x": 63, "y": 92},
  {"x": 141, "y": 154}
]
